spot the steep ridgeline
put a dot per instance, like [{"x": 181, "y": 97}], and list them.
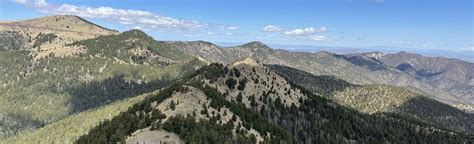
[
  {"x": 247, "y": 102},
  {"x": 39, "y": 86},
  {"x": 452, "y": 75},
  {"x": 354, "y": 68},
  {"x": 376, "y": 99}
]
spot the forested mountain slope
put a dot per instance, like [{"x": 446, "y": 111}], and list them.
[
  {"x": 375, "y": 99},
  {"x": 67, "y": 65},
  {"x": 247, "y": 102}
]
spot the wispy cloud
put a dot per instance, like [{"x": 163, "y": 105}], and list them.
[
  {"x": 272, "y": 28},
  {"x": 308, "y": 34},
  {"x": 233, "y": 28},
  {"x": 317, "y": 38},
  {"x": 122, "y": 16},
  {"x": 211, "y": 33},
  {"x": 136, "y": 27},
  {"x": 305, "y": 31},
  {"x": 20, "y": 1}
]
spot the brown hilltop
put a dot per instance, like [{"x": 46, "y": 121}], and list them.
[{"x": 51, "y": 34}]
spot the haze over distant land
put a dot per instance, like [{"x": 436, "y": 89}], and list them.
[
  {"x": 467, "y": 56},
  {"x": 462, "y": 55}
]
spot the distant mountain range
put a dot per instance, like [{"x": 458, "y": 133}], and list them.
[
  {"x": 453, "y": 86},
  {"x": 466, "y": 55},
  {"x": 64, "y": 79}
]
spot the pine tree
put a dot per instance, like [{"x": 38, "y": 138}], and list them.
[
  {"x": 172, "y": 105},
  {"x": 239, "y": 97}
]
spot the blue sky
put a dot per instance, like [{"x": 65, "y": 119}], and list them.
[{"x": 403, "y": 24}]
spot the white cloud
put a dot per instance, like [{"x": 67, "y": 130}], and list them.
[
  {"x": 233, "y": 28},
  {"x": 211, "y": 33},
  {"x": 124, "y": 22},
  {"x": 40, "y": 3},
  {"x": 20, "y": 1},
  {"x": 100, "y": 12},
  {"x": 159, "y": 21},
  {"x": 122, "y": 16},
  {"x": 137, "y": 27},
  {"x": 317, "y": 38},
  {"x": 305, "y": 31},
  {"x": 272, "y": 28}
]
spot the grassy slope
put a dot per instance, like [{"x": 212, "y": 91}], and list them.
[{"x": 374, "y": 98}]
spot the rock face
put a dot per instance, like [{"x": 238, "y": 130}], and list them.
[{"x": 453, "y": 86}]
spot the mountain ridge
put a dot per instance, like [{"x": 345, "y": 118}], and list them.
[{"x": 366, "y": 68}]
